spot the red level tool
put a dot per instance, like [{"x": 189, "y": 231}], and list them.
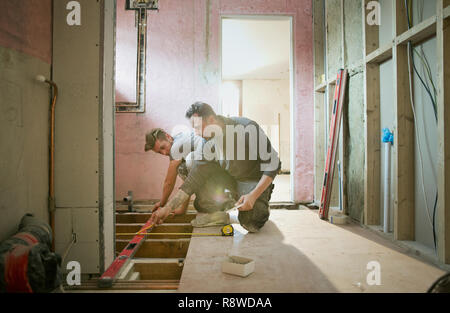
[
  {"x": 109, "y": 277},
  {"x": 339, "y": 97}
]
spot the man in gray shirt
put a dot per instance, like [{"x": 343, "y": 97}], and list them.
[
  {"x": 239, "y": 147},
  {"x": 183, "y": 149}
]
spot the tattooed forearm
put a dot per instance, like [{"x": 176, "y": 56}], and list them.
[{"x": 177, "y": 200}]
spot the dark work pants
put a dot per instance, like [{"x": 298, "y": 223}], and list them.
[
  {"x": 212, "y": 196},
  {"x": 257, "y": 217},
  {"x": 216, "y": 194}
]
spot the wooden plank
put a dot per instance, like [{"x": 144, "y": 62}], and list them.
[
  {"x": 158, "y": 248},
  {"x": 443, "y": 104},
  {"x": 142, "y": 207},
  {"x": 419, "y": 33},
  {"x": 372, "y": 146},
  {"x": 404, "y": 179},
  {"x": 321, "y": 88},
  {"x": 400, "y": 18},
  {"x": 380, "y": 55},
  {"x": 370, "y": 32},
  {"x": 143, "y": 217},
  {"x": 372, "y": 161},
  {"x": 161, "y": 269},
  {"x": 130, "y": 285},
  {"x": 319, "y": 143},
  {"x": 163, "y": 228},
  {"x": 446, "y": 13}
]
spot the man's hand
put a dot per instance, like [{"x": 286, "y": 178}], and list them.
[
  {"x": 156, "y": 207},
  {"x": 159, "y": 216},
  {"x": 248, "y": 202}
]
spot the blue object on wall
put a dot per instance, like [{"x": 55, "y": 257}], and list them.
[{"x": 388, "y": 136}]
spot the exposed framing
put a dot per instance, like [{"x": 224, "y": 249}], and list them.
[
  {"x": 323, "y": 95},
  {"x": 443, "y": 103},
  {"x": 404, "y": 210}
]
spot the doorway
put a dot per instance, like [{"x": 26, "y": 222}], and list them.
[{"x": 257, "y": 83}]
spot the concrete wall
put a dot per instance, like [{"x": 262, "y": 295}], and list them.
[
  {"x": 262, "y": 101},
  {"x": 184, "y": 67},
  {"x": 25, "y": 51},
  {"x": 84, "y": 149}
]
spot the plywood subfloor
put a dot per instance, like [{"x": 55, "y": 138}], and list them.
[
  {"x": 282, "y": 190},
  {"x": 297, "y": 252}
]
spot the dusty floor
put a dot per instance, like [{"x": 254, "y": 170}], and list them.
[
  {"x": 282, "y": 190},
  {"x": 297, "y": 252}
]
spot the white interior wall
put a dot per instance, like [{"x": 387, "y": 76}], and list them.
[
  {"x": 263, "y": 101},
  {"x": 256, "y": 65},
  {"x": 254, "y": 48},
  {"x": 84, "y": 164}
]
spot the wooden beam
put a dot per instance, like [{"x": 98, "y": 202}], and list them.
[
  {"x": 158, "y": 248},
  {"x": 159, "y": 269},
  {"x": 446, "y": 13},
  {"x": 443, "y": 104},
  {"x": 143, "y": 217},
  {"x": 370, "y": 32},
  {"x": 372, "y": 124},
  {"x": 129, "y": 285},
  {"x": 400, "y": 18},
  {"x": 419, "y": 33},
  {"x": 160, "y": 229},
  {"x": 372, "y": 140},
  {"x": 404, "y": 178},
  {"x": 321, "y": 88},
  {"x": 319, "y": 143},
  {"x": 380, "y": 55}
]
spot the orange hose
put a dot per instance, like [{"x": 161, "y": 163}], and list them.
[{"x": 52, "y": 163}]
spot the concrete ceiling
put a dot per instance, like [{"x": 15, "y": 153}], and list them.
[{"x": 255, "y": 48}]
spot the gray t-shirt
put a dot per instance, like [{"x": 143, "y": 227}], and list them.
[{"x": 186, "y": 145}]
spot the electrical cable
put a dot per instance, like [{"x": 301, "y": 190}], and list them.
[
  {"x": 409, "y": 18},
  {"x": 424, "y": 61},
  {"x": 66, "y": 252},
  {"x": 417, "y": 133}
]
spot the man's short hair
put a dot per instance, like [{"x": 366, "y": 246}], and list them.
[
  {"x": 152, "y": 136},
  {"x": 202, "y": 109}
]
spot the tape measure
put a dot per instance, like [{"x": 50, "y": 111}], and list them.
[{"x": 226, "y": 231}]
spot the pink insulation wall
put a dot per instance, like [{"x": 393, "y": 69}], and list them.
[
  {"x": 26, "y": 26},
  {"x": 184, "y": 67}
]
